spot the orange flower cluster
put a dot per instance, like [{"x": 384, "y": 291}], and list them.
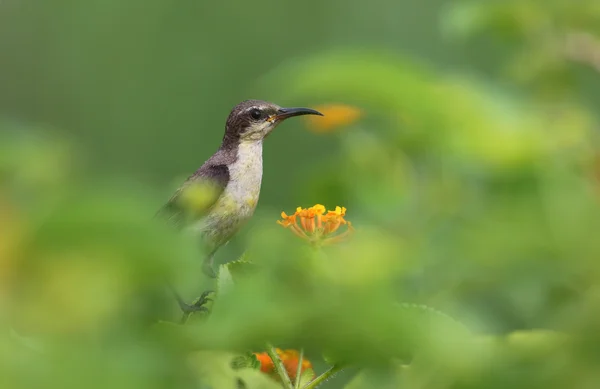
[
  {"x": 335, "y": 116},
  {"x": 290, "y": 360},
  {"x": 315, "y": 225}
]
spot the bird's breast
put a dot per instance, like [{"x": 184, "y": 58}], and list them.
[{"x": 240, "y": 197}]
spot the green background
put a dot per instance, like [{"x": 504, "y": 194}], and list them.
[{"x": 144, "y": 87}]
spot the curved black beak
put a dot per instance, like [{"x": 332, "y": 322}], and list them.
[{"x": 284, "y": 113}]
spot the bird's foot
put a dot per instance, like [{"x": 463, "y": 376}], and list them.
[{"x": 197, "y": 306}]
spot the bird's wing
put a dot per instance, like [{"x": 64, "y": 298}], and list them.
[{"x": 197, "y": 195}]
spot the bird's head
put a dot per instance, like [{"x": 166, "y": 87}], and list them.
[{"x": 253, "y": 120}]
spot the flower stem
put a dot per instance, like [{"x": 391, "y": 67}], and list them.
[
  {"x": 279, "y": 368},
  {"x": 299, "y": 370},
  {"x": 333, "y": 370}
]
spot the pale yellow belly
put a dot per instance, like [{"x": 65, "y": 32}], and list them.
[
  {"x": 225, "y": 220},
  {"x": 239, "y": 199}
]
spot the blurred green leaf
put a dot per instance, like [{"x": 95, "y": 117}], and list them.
[
  {"x": 247, "y": 360},
  {"x": 224, "y": 280}
]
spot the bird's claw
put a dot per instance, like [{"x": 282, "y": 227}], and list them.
[{"x": 196, "y": 306}]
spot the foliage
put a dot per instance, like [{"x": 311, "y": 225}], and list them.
[{"x": 471, "y": 262}]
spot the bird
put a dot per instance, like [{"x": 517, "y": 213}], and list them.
[{"x": 228, "y": 184}]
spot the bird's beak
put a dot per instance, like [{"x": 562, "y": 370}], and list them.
[{"x": 284, "y": 113}]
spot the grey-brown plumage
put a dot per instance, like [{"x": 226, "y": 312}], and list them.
[
  {"x": 215, "y": 171},
  {"x": 235, "y": 174}
]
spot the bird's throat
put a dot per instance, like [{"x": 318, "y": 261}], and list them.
[{"x": 245, "y": 176}]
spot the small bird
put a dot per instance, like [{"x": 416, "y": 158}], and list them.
[{"x": 234, "y": 176}]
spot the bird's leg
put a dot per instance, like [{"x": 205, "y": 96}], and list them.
[
  {"x": 198, "y": 304},
  {"x": 207, "y": 265}
]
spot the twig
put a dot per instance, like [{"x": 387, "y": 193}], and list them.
[
  {"x": 299, "y": 369},
  {"x": 279, "y": 368},
  {"x": 323, "y": 377}
]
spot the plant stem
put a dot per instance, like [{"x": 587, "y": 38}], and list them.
[
  {"x": 279, "y": 368},
  {"x": 299, "y": 370},
  {"x": 323, "y": 377}
]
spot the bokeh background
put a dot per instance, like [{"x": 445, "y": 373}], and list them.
[{"x": 462, "y": 136}]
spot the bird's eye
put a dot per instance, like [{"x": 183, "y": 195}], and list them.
[{"x": 256, "y": 114}]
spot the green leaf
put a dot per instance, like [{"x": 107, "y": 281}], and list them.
[
  {"x": 247, "y": 360},
  {"x": 29, "y": 343},
  {"x": 438, "y": 340},
  {"x": 329, "y": 359},
  {"x": 240, "y": 267},
  {"x": 230, "y": 271},
  {"x": 462, "y": 20},
  {"x": 306, "y": 377},
  {"x": 224, "y": 280},
  {"x": 435, "y": 333},
  {"x": 391, "y": 377},
  {"x": 433, "y": 316},
  {"x": 185, "y": 337},
  {"x": 461, "y": 117},
  {"x": 536, "y": 343}
]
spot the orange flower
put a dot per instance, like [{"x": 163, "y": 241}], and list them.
[
  {"x": 290, "y": 360},
  {"x": 309, "y": 216},
  {"x": 315, "y": 225},
  {"x": 266, "y": 363},
  {"x": 335, "y": 116},
  {"x": 335, "y": 219},
  {"x": 287, "y": 220}
]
